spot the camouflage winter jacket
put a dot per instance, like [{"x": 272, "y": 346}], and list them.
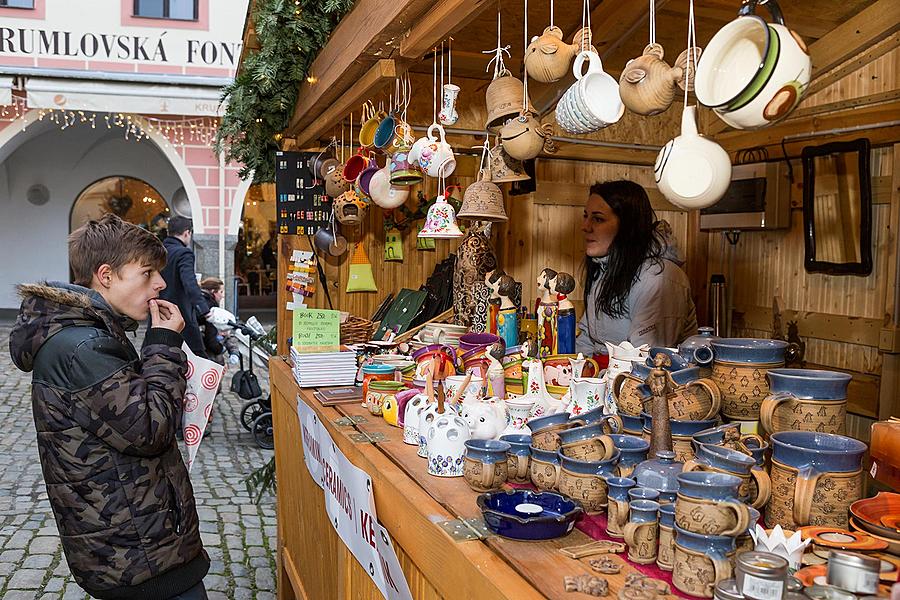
[{"x": 105, "y": 420}]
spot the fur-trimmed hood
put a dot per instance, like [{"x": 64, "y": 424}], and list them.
[{"x": 47, "y": 308}]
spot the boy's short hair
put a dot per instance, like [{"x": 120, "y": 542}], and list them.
[
  {"x": 178, "y": 225},
  {"x": 211, "y": 284},
  {"x": 112, "y": 241}
]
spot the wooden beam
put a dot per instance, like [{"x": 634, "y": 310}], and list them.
[
  {"x": 856, "y": 35},
  {"x": 869, "y": 100},
  {"x": 369, "y": 32},
  {"x": 381, "y": 73},
  {"x": 446, "y": 18},
  {"x": 859, "y": 61},
  {"x": 821, "y": 326}
]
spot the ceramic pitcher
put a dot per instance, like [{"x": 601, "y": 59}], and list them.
[
  {"x": 587, "y": 393},
  {"x": 621, "y": 358},
  {"x": 740, "y": 369},
  {"x": 805, "y": 400},
  {"x": 815, "y": 479}
]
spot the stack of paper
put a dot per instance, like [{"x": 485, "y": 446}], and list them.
[{"x": 324, "y": 368}]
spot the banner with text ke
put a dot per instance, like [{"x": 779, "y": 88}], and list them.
[{"x": 350, "y": 505}]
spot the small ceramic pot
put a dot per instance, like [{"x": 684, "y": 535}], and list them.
[
  {"x": 626, "y": 391},
  {"x": 544, "y": 468},
  {"x": 585, "y": 481},
  {"x": 633, "y": 450},
  {"x": 805, "y": 400},
  {"x": 547, "y": 57},
  {"x": 724, "y": 460},
  {"x": 477, "y": 341},
  {"x": 632, "y": 425},
  {"x": 815, "y": 478},
  {"x": 424, "y": 355},
  {"x": 701, "y": 561},
  {"x": 486, "y": 466},
  {"x": 375, "y": 372},
  {"x": 587, "y": 443},
  {"x": 518, "y": 456},
  {"x": 379, "y": 393},
  {"x": 642, "y": 531},
  {"x": 665, "y": 556},
  {"x": 447, "y": 437},
  {"x": 740, "y": 369},
  {"x": 708, "y": 503},
  {"x": 617, "y": 507}
]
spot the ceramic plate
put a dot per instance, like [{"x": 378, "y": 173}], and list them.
[
  {"x": 890, "y": 565},
  {"x": 835, "y": 537},
  {"x": 869, "y": 513},
  {"x": 893, "y": 545},
  {"x": 814, "y": 575}
]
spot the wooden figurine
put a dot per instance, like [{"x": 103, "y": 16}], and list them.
[
  {"x": 547, "y": 313},
  {"x": 564, "y": 284},
  {"x": 586, "y": 584},
  {"x": 661, "y": 384}
]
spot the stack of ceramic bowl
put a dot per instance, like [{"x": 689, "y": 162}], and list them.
[{"x": 879, "y": 517}]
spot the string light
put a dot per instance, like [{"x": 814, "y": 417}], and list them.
[{"x": 175, "y": 131}]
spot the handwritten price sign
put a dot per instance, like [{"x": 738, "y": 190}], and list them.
[{"x": 317, "y": 330}]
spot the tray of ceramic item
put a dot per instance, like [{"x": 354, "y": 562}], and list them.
[
  {"x": 529, "y": 515},
  {"x": 878, "y": 515}
]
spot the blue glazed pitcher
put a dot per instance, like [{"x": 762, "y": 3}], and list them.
[{"x": 805, "y": 400}]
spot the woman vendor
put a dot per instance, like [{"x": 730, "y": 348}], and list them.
[{"x": 634, "y": 289}]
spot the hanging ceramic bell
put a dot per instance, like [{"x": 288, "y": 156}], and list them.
[
  {"x": 525, "y": 137},
  {"x": 350, "y": 209},
  {"x": 441, "y": 221},
  {"x": 393, "y": 245},
  {"x": 505, "y": 168},
  {"x": 361, "y": 278},
  {"x": 504, "y": 99},
  {"x": 483, "y": 200}
]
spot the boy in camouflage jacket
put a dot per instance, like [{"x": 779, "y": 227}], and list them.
[{"x": 106, "y": 417}]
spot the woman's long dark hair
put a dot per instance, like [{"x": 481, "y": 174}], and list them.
[{"x": 637, "y": 241}]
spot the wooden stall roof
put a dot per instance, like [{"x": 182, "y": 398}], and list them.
[{"x": 842, "y": 35}]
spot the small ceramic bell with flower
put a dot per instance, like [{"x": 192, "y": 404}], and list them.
[{"x": 441, "y": 220}]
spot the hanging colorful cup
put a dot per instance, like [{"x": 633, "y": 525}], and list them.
[
  {"x": 385, "y": 132},
  {"x": 356, "y": 163},
  {"x": 403, "y": 171},
  {"x": 365, "y": 176}
]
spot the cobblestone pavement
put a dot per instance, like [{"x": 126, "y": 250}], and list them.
[{"x": 239, "y": 535}]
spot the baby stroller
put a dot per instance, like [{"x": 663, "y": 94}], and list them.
[{"x": 256, "y": 414}]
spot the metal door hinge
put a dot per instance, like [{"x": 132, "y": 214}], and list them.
[
  {"x": 462, "y": 530},
  {"x": 363, "y": 437},
  {"x": 352, "y": 420}
]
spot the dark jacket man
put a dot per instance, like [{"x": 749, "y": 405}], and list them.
[
  {"x": 105, "y": 419},
  {"x": 183, "y": 290}
]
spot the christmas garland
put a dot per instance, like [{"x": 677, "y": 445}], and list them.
[{"x": 262, "y": 96}]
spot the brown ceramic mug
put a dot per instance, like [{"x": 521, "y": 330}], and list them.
[
  {"x": 517, "y": 467},
  {"x": 544, "y": 469},
  {"x": 626, "y": 394},
  {"x": 665, "y": 555},
  {"x": 641, "y": 533},
  {"x": 697, "y": 573},
  {"x": 593, "y": 449},
  {"x": 617, "y": 516},
  {"x": 785, "y": 412},
  {"x": 743, "y": 387},
  {"x": 590, "y": 490},
  {"x": 698, "y": 400},
  {"x": 711, "y": 517},
  {"x": 548, "y": 437},
  {"x": 483, "y": 477}
]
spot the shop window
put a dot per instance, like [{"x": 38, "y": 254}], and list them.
[
  {"x": 131, "y": 199},
  {"x": 17, "y": 4},
  {"x": 180, "y": 10}
]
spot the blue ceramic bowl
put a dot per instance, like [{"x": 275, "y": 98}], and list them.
[
  {"x": 749, "y": 350},
  {"x": 667, "y": 515},
  {"x": 709, "y": 486},
  {"x": 682, "y": 428},
  {"x": 378, "y": 368},
  {"x": 820, "y": 452},
  {"x": 519, "y": 443},
  {"x": 633, "y": 448},
  {"x": 678, "y": 362},
  {"x": 809, "y": 383},
  {"x": 487, "y": 451},
  {"x": 536, "y": 425},
  {"x": 617, "y": 487},
  {"x": 527, "y": 515},
  {"x": 725, "y": 458},
  {"x": 548, "y": 456},
  {"x": 604, "y": 468},
  {"x": 717, "y": 546}
]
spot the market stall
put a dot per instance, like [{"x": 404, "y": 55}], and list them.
[{"x": 432, "y": 412}]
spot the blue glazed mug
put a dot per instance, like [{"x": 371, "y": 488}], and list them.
[
  {"x": 518, "y": 456},
  {"x": 805, "y": 400},
  {"x": 617, "y": 508},
  {"x": 694, "y": 398},
  {"x": 642, "y": 531},
  {"x": 486, "y": 466},
  {"x": 816, "y": 477},
  {"x": 587, "y": 443},
  {"x": 730, "y": 436},
  {"x": 545, "y": 430},
  {"x": 633, "y": 450},
  {"x": 544, "y": 468},
  {"x": 708, "y": 503},
  {"x": 665, "y": 555},
  {"x": 740, "y": 369},
  {"x": 701, "y": 561},
  {"x": 586, "y": 480},
  {"x": 725, "y": 460}
]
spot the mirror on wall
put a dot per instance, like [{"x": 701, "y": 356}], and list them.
[{"x": 837, "y": 208}]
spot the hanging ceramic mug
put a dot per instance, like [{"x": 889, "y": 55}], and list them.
[
  {"x": 403, "y": 171},
  {"x": 416, "y": 151},
  {"x": 753, "y": 73},
  {"x": 436, "y": 158},
  {"x": 692, "y": 171},
  {"x": 370, "y": 126},
  {"x": 385, "y": 132},
  {"x": 356, "y": 163},
  {"x": 593, "y": 101},
  {"x": 384, "y": 194}
]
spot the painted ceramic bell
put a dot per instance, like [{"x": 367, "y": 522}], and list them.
[
  {"x": 350, "y": 209},
  {"x": 548, "y": 57},
  {"x": 505, "y": 168},
  {"x": 647, "y": 84},
  {"x": 504, "y": 99},
  {"x": 440, "y": 221},
  {"x": 483, "y": 200},
  {"x": 525, "y": 137}
]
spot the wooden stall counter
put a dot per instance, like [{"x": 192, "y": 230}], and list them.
[{"x": 415, "y": 508}]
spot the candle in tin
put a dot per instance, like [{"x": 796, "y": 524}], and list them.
[
  {"x": 761, "y": 575},
  {"x": 853, "y": 572}
]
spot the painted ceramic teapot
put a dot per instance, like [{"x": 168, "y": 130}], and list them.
[
  {"x": 525, "y": 137},
  {"x": 548, "y": 57},
  {"x": 486, "y": 419},
  {"x": 536, "y": 391},
  {"x": 647, "y": 85},
  {"x": 587, "y": 393}
]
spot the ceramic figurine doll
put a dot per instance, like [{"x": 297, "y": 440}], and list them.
[
  {"x": 565, "y": 321},
  {"x": 508, "y": 318},
  {"x": 496, "y": 377},
  {"x": 492, "y": 281},
  {"x": 661, "y": 385},
  {"x": 548, "y": 310}
]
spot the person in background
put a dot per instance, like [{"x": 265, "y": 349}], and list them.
[
  {"x": 634, "y": 289},
  {"x": 216, "y": 342},
  {"x": 182, "y": 288},
  {"x": 106, "y": 417}
]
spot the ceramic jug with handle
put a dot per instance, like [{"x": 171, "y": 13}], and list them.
[{"x": 621, "y": 359}]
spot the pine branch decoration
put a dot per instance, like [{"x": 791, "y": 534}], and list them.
[{"x": 262, "y": 96}]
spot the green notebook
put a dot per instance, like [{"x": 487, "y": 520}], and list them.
[{"x": 405, "y": 307}]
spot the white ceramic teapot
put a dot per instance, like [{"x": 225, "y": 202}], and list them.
[{"x": 486, "y": 419}]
